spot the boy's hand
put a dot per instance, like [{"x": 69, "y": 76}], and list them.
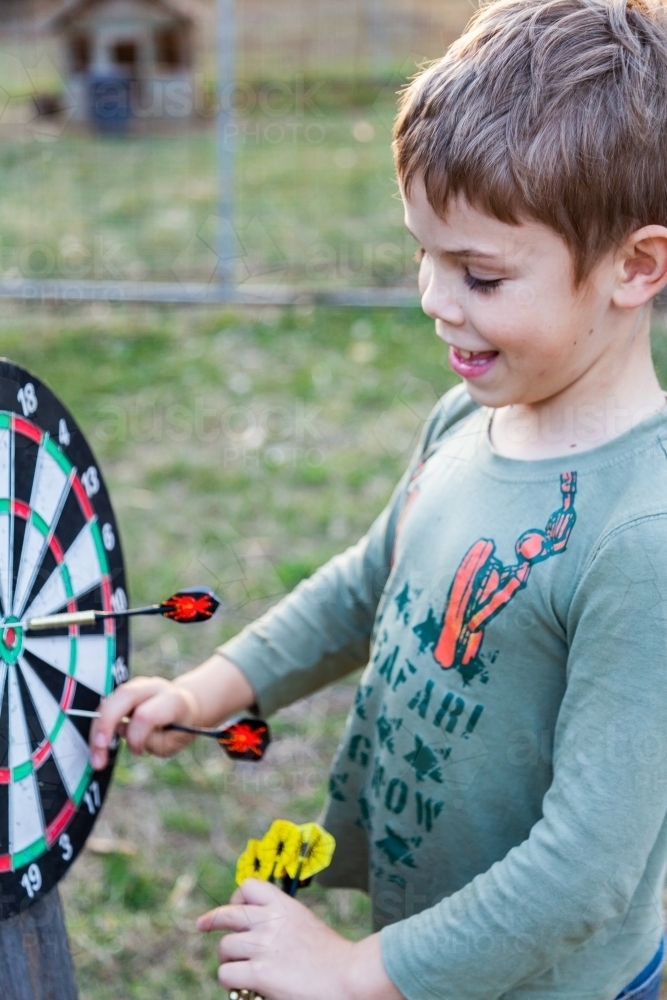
[
  {"x": 284, "y": 952},
  {"x": 152, "y": 702}
]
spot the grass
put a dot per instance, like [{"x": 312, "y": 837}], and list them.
[{"x": 316, "y": 197}]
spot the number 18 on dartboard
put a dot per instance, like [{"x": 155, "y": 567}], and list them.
[{"x": 59, "y": 553}]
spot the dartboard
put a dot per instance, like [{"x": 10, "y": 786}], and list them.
[{"x": 59, "y": 552}]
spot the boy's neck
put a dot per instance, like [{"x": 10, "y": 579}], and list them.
[{"x": 604, "y": 403}]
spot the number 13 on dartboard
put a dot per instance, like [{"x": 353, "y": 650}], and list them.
[{"x": 59, "y": 552}]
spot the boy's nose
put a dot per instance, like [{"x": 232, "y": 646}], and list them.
[{"x": 439, "y": 302}]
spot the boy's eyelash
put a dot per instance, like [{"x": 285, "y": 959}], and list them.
[
  {"x": 480, "y": 284},
  {"x": 475, "y": 284}
]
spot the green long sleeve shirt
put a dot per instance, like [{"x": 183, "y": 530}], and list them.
[{"x": 501, "y": 785}]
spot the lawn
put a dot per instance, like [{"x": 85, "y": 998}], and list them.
[
  {"x": 317, "y": 201},
  {"x": 242, "y": 449}
]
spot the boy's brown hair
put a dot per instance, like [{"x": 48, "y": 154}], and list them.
[{"x": 551, "y": 110}]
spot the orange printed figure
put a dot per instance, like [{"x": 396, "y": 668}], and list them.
[{"x": 482, "y": 585}]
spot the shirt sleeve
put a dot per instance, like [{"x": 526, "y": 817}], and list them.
[
  {"x": 321, "y": 631},
  {"x": 584, "y": 859}
]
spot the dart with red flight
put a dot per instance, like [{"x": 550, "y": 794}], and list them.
[
  {"x": 186, "y": 607},
  {"x": 241, "y": 739}
]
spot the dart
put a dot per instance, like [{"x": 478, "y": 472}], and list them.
[
  {"x": 244, "y": 739},
  {"x": 185, "y": 606},
  {"x": 289, "y": 854}
]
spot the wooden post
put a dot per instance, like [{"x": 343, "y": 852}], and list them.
[{"x": 35, "y": 962}]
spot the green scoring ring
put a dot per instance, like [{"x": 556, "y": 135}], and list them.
[{"x": 10, "y": 652}]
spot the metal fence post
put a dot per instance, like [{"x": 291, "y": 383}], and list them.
[
  {"x": 378, "y": 38},
  {"x": 226, "y": 143}
]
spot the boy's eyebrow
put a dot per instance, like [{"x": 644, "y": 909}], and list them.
[
  {"x": 464, "y": 252},
  {"x": 470, "y": 253}
]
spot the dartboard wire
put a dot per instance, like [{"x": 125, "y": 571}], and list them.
[
  {"x": 64, "y": 744},
  {"x": 73, "y": 579},
  {"x": 27, "y": 844},
  {"x": 7, "y": 511},
  {"x": 77, "y": 656},
  {"x": 19, "y": 607},
  {"x": 62, "y": 464},
  {"x": 101, "y": 580},
  {"x": 5, "y": 772}
]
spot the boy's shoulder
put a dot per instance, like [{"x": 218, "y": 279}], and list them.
[
  {"x": 455, "y": 406},
  {"x": 622, "y": 483}
]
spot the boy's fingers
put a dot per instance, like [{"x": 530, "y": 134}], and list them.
[
  {"x": 152, "y": 714},
  {"x": 226, "y": 918},
  {"x": 237, "y": 975},
  {"x": 257, "y": 893},
  {"x": 236, "y": 948},
  {"x": 122, "y": 702}
]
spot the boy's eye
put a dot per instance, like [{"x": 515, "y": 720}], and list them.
[{"x": 481, "y": 284}]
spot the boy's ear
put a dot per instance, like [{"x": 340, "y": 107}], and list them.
[{"x": 642, "y": 267}]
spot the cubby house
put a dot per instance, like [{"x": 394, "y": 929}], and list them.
[{"x": 128, "y": 59}]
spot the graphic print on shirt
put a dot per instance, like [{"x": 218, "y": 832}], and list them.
[{"x": 483, "y": 586}]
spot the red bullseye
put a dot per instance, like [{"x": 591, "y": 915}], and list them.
[{"x": 10, "y": 637}]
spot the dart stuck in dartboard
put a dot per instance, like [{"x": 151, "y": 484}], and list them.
[{"x": 64, "y": 639}]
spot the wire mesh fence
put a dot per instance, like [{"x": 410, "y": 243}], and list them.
[{"x": 246, "y": 159}]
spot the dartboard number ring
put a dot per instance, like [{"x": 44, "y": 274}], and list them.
[{"x": 56, "y": 530}]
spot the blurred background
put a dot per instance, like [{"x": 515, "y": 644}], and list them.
[{"x": 243, "y": 445}]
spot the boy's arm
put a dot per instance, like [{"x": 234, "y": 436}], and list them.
[
  {"x": 316, "y": 634},
  {"x": 201, "y": 697},
  {"x": 321, "y": 631},
  {"x": 583, "y": 861}
]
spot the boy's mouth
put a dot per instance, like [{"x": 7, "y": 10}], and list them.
[{"x": 471, "y": 364}]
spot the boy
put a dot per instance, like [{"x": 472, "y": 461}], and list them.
[{"x": 500, "y": 786}]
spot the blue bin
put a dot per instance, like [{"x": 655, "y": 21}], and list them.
[{"x": 110, "y": 102}]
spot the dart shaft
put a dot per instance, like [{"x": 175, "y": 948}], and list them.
[
  {"x": 81, "y": 713},
  {"x": 82, "y": 618},
  {"x": 84, "y": 714}
]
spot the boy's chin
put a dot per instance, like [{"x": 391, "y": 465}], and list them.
[{"x": 492, "y": 396}]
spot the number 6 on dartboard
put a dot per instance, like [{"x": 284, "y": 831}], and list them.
[{"x": 59, "y": 552}]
